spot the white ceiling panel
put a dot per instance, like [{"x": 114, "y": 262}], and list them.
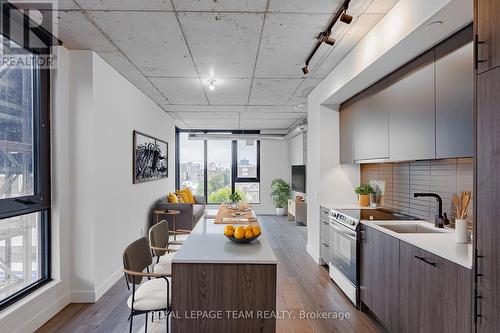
[
  {"x": 66, "y": 4},
  {"x": 380, "y": 6},
  {"x": 119, "y": 62},
  {"x": 209, "y": 115},
  {"x": 286, "y": 41},
  {"x": 304, "y": 6},
  {"x": 300, "y": 96},
  {"x": 357, "y": 32},
  {"x": 125, "y": 4},
  {"x": 78, "y": 33},
  {"x": 285, "y": 116},
  {"x": 152, "y": 40},
  {"x": 274, "y": 108},
  {"x": 223, "y": 44},
  {"x": 181, "y": 90},
  {"x": 221, "y": 5},
  {"x": 205, "y": 108},
  {"x": 228, "y": 91},
  {"x": 272, "y": 91}
]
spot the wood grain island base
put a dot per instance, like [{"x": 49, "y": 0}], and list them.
[{"x": 219, "y": 286}]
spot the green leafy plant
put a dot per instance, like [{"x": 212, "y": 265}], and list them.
[
  {"x": 280, "y": 193},
  {"x": 234, "y": 197},
  {"x": 364, "y": 189}
]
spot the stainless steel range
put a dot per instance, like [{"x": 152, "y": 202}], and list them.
[{"x": 344, "y": 242}]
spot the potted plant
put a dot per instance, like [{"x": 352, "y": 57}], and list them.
[
  {"x": 280, "y": 194},
  {"x": 364, "y": 191},
  {"x": 234, "y": 198}
]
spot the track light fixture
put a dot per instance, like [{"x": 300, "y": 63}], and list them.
[
  {"x": 345, "y": 18},
  {"x": 324, "y": 36},
  {"x": 327, "y": 39}
]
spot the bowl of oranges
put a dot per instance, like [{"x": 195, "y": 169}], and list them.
[{"x": 242, "y": 234}]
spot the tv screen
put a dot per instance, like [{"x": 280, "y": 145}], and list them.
[{"x": 299, "y": 178}]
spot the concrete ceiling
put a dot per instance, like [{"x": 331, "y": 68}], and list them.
[{"x": 254, "y": 49}]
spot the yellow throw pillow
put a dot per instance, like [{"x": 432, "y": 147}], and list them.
[
  {"x": 172, "y": 198},
  {"x": 179, "y": 198},
  {"x": 183, "y": 194},
  {"x": 190, "y": 195}
]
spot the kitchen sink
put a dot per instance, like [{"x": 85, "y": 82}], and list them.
[{"x": 411, "y": 229}]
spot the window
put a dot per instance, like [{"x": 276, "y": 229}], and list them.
[
  {"x": 225, "y": 166},
  {"x": 24, "y": 174},
  {"x": 191, "y": 164}
]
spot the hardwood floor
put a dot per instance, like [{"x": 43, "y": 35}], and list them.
[{"x": 303, "y": 287}]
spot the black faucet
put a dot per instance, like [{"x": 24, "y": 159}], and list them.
[{"x": 441, "y": 219}]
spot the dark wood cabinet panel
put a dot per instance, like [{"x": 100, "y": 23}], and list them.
[
  {"x": 435, "y": 293},
  {"x": 487, "y": 198},
  {"x": 455, "y": 96},
  {"x": 380, "y": 276},
  {"x": 488, "y": 31}
]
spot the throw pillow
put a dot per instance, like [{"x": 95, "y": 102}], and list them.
[
  {"x": 183, "y": 194},
  {"x": 190, "y": 195},
  {"x": 172, "y": 198}
]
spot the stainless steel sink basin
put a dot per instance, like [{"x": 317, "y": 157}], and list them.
[{"x": 410, "y": 228}]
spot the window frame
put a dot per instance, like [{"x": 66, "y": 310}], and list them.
[
  {"x": 40, "y": 200},
  {"x": 234, "y": 160}
]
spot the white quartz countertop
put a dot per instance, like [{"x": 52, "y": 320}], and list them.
[
  {"x": 441, "y": 244},
  {"x": 344, "y": 206},
  {"x": 207, "y": 244}
]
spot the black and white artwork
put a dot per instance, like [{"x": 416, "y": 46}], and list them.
[{"x": 150, "y": 158}]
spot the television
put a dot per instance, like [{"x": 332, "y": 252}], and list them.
[{"x": 299, "y": 178}]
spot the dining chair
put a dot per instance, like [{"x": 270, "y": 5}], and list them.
[
  {"x": 160, "y": 244},
  {"x": 152, "y": 295}
]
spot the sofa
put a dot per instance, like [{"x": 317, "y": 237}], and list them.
[{"x": 190, "y": 213}]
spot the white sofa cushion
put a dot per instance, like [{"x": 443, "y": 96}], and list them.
[{"x": 150, "y": 295}]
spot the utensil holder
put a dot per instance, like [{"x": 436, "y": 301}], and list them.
[
  {"x": 373, "y": 200},
  {"x": 461, "y": 231}
]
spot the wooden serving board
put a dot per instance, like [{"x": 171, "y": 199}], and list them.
[{"x": 225, "y": 215}]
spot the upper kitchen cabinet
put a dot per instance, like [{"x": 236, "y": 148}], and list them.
[
  {"x": 412, "y": 118},
  {"x": 455, "y": 96},
  {"x": 488, "y": 34},
  {"x": 371, "y": 119},
  {"x": 346, "y": 119}
]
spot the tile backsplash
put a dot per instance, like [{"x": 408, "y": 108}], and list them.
[{"x": 444, "y": 177}]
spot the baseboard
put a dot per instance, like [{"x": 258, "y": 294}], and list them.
[
  {"x": 313, "y": 254},
  {"x": 106, "y": 285},
  {"x": 43, "y": 316},
  {"x": 90, "y": 296}
]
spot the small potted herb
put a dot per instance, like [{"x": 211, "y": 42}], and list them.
[
  {"x": 235, "y": 199},
  {"x": 364, "y": 191}
]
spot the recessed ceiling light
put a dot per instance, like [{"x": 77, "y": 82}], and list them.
[{"x": 211, "y": 84}]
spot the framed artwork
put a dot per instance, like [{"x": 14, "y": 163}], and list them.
[{"x": 150, "y": 158}]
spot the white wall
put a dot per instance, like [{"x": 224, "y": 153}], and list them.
[
  {"x": 400, "y": 36},
  {"x": 296, "y": 147},
  {"x": 110, "y": 210},
  {"x": 274, "y": 163}
]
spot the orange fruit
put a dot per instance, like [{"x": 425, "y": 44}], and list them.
[
  {"x": 248, "y": 234},
  {"x": 229, "y": 226},
  {"x": 229, "y": 232},
  {"x": 239, "y": 233},
  {"x": 256, "y": 230}
]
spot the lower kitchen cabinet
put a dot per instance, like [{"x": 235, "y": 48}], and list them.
[
  {"x": 324, "y": 230},
  {"x": 379, "y": 276},
  {"x": 411, "y": 290}
]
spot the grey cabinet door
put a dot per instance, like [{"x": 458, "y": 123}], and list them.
[
  {"x": 412, "y": 122},
  {"x": 455, "y": 97},
  {"x": 347, "y": 135},
  {"x": 380, "y": 276},
  {"x": 371, "y": 127}
]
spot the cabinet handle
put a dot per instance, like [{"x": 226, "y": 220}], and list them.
[
  {"x": 326, "y": 245},
  {"x": 476, "y": 51},
  {"x": 426, "y": 261}
]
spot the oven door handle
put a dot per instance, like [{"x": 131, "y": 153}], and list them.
[{"x": 343, "y": 232}]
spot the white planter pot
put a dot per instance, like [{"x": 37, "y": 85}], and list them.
[{"x": 280, "y": 211}]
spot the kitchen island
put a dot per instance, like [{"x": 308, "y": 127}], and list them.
[{"x": 221, "y": 286}]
